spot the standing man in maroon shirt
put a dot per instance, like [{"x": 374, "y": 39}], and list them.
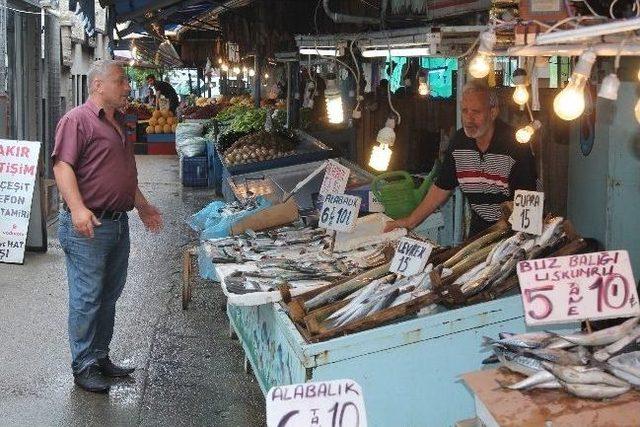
[{"x": 96, "y": 173}]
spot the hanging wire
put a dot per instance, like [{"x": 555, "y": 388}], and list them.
[
  {"x": 613, "y": 3},
  {"x": 355, "y": 63},
  {"x": 389, "y": 87},
  {"x": 616, "y": 63}
]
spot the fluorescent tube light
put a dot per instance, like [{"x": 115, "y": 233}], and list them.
[
  {"x": 319, "y": 51},
  {"x": 403, "y": 51}
]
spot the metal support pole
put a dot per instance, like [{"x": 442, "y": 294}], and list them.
[{"x": 458, "y": 224}]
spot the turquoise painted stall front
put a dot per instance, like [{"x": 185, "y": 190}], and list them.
[{"x": 408, "y": 370}]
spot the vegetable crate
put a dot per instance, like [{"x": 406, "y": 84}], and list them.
[
  {"x": 195, "y": 171},
  {"x": 161, "y": 148}
]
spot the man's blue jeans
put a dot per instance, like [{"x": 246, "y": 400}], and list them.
[{"x": 97, "y": 272}]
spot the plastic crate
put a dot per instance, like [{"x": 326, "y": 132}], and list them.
[
  {"x": 215, "y": 167},
  {"x": 161, "y": 137},
  {"x": 195, "y": 171}
]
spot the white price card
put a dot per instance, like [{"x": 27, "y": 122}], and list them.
[
  {"x": 411, "y": 257},
  {"x": 336, "y": 403},
  {"x": 597, "y": 285},
  {"x": 374, "y": 203},
  {"x": 339, "y": 212},
  {"x": 335, "y": 179},
  {"x": 18, "y": 171},
  {"x": 528, "y": 212}
]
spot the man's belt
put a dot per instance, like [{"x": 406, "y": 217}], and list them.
[{"x": 102, "y": 214}]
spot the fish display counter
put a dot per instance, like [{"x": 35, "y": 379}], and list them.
[{"x": 405, "y": 340}]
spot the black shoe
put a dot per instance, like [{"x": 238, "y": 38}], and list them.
[
  {"x": 108, "y": 369},
  {"x": 91, "y": 379}
]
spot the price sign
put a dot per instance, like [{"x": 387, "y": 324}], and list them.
[
  {"x": 528, "y": 211},
  {"x": 339, "y": 212},
  {"x": 18, "y": 171},
  {"x": 374, "y": 203},
  {"x": 598, "y": 285},
  {"x": 335, "y": 178},
  {"x": 336, "y": 403},
  {"x": 411, "y": 257}
]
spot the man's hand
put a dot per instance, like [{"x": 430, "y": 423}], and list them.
[
  {"x": 399, "y": 223},
  {"x": 83, "y": 221},
  {"x": 151, "y": 217}
]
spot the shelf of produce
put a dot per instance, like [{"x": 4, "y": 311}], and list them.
[
  {"x": 309, "y": 149},
  {"x": 409, "y": 370}
]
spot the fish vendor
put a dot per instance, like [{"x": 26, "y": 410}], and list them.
[
  {"x": 96, "y": 174},
  {"x": 483, "y": 158}
]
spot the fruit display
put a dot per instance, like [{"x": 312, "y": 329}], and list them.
[
  {"x": 162, "y": 121},
  {"x": 138, "y": 109},
  {"x": 201, "y": 112},
  {"x": 259, "y": 147},
  {"x": 203, "y": 102}
]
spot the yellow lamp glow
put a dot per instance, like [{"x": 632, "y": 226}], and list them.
[
  {"x": 380, "y": 157},
  {"x": 252, "y": 72},
  {"x": 524, "y": 134},
  {"x": 520, "y": 95},
  {"x": 423, "y": 87},
  {"x": 266, "y": 75},
  {"x": 224, "y": 67},
  {"x": 569, "y": 103},
  {"x": 332, "y": 96},
  {"x": 480, "y": 66},
  {"x": 637, "y": 111},
  {"x": 236, "y": 70},
  {"x": 220, "y": 61}
]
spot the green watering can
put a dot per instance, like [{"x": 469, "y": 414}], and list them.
[{"x": 399, "y": 196}]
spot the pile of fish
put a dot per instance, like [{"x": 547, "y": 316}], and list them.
[
  {"x": 598, "y": 365},
  {"x": 287, "y": 254},
  {"x": 492, "y": 258}
]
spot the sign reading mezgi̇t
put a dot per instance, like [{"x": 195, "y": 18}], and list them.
[{"x": 18, "y": 170}]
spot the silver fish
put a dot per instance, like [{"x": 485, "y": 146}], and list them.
[
  {"x": 517, "y": 363},
  {"x": 513, "y": 343},
  {"x": 384, "y": 302},
  {"x": 594, "y": 391},
  {"x": 625, "y": 376},
  {"x": 605, "y": 353},
  {"x": 551, "y": 228},
  {"x": 363, "y": 295},
  {"x": 582, "y": 375},
  {"x": 560, "y": 357},
  {"x": 470, "y": 274},
  {"x": 602, "y": 337},
  {"x": 334, "y": 293},
  {"x": 628, "y": 362},
  {"x": 533, "y": 380}
]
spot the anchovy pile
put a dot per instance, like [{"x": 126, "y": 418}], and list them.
[
  {"x": 598, "y": 365},
  {"x": 492, "y": 259},
  {"x": 287, "y": 254}
]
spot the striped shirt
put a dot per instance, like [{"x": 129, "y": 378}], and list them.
[{"x": 488, "y": 179}]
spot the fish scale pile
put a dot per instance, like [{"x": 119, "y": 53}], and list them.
[
  {"x": 598, "y": 365},
  {"x": 287, "y": 254}
]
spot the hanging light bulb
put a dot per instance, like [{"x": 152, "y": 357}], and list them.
[
  {"x": 638, "y": 74},
  {"x": 244, "y": 70},
  {"x": 524, "y": 134},
  {"x": 252, "y": 72},
  {"x": 224, "y": 67},
  {"x": 520, "y": 94},
  {"x": 381, "y": 154},
  {"x": 637, "y": 111},
  {"x": 334, "y": 101},
  {"x": 480, "y": 65},
  {"x": 220, "y": 61},
  {"x": 266, "y": 75},
  {"x": 609, "y": 87},
  {"x": 569, "y": 103},
  {"x": 236, "y": 70},
  {"x": 423, "y": 86},
  {"x": 380, "y": 157}
]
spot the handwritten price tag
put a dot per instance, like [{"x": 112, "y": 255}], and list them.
[
  {"x": 335, "y": 178},
  {"x": 598, "y": 285},
  {"x": 374, "y": 203},
  {"x": 411, "y": 257},
  {"x": 528, "y": 211},
  {"x": 328, "y": 403},
  {"x": 339, "y": 212}
]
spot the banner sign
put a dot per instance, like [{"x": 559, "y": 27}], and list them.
[{"x": 18, "y": 171}]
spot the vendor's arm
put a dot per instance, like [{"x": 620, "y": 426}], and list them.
[
  {"x": 149, "y": 214},
  {"x": 434, "y": 199}
]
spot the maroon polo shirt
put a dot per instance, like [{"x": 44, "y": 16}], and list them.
[{"x": 102, "y": 159}]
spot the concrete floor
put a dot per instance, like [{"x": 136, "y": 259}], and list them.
[{"x": 188, "y": 372}]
